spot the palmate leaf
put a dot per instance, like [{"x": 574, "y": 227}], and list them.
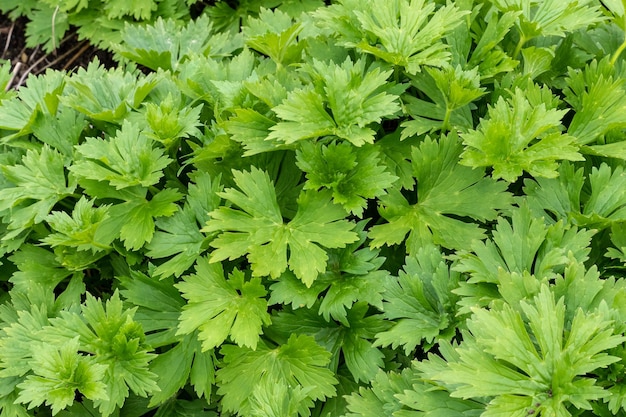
[
  {"x": 350, "y": 340},
  {"x": 444, "y": 189},
  {"x": 39, "y": 96},
  {"x": 596, "y": 93},
  {"x": 165, "y": 44},
  {"x": 522, "y": 254},
  {"x": 179, "y": 236},
  {"x": 58, "y": 374},
  {"x": 79, "y": 229},
  {"x": 518, "y": 137},
  {"x": 106, "y": 95},
  {"x": 530, "y": 359},
  {"x": 353, "y": 276},
  {"x": 39, "y": 182},
  {"x": 274, "y": 34},
  {"x": 420, "y": 304},
  {"x": 220, "y": 307},
  {"x": 354, "y": 175},
  {"x": 550, "y": 17},
  {"x": 257, "y": 229},
  {"x": 300, "y": 362},
  {"x": 159, "y": 307},
  {"x": 139, "y": 9},
  {"x": 47, "y": 27},
  {"x": 380, "y": 399},
  {"x": 133, "y": 221},
  {"x": 125, "y": 160},
  {"x": 355, "y": 95},
  {"x": 601, "y": 205},
  {"x": 450, "y": 90},
  {"x": 406, "y": 33},
  {"x": 110, "y": 335}
]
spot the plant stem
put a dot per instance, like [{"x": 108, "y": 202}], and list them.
[
  {"x": 518, "y": 47},
  {"x": 618, "y": 52},
  {"x": 446, "y": 120}
]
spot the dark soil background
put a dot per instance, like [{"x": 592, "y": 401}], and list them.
[{"x": 70, "y": 54}]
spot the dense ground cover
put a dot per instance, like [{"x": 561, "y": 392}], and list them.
[{"x": 291, "y": 208}]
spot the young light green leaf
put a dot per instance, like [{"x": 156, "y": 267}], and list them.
[
  {"x": 106, "y": 95},
  {"x": 58, "y": 373},
  {"x": 79, "y": 229},
  {"x": 39, "y": 182},
  {"x": 40, "y": 96},
  {"x": 420, "y": 303},
  {"x": 220, "y": 307},
  {"x": 596, "y": 93},
  {"x": 543, "y": 360},
  {"x": 564, "y": 199},
  {"x": 114, "y": 339},
  {"x": 406, "y": 33},
  {"x": 274, "y": 34},
  {"x": 125, "y": 160},
  {"x": 518, "y": 137},
  {"x": 355, "y": 95}
]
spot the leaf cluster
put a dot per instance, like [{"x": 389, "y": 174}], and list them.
[{"x": 302, "y": 208}]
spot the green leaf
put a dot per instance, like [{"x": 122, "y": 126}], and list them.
[
  {"x": 354, "y": 94},
  {"x": 109, "y": 334},
  {"x": 349, "y": 341},
  {"x": 274, "y": 34},
  {"x": 403, "y": 33},
  {"x": 165, "y": 44},
  {"x": 158, "y": 306},
  {"x": 450, "y": 90},
  {"x": 525, "y": 246},
  {"x": 39, "y": 182},
  {"x": 59, "y": 373},
  {"x": 353, "y": 277},
  {"x": 489, "y": 55},
  {"x": 420, "y": 303},
  {"x": 40, "y": 95},
  {"x": 106, "y": 95},
  {"x": 298, "y": 363},
  {"x": 133, "y": 220},
  {"x": 596, "y": 93},
  {"x": 600, "y": 206},
  {"x": 354, "y": 175},
  {"x": 531, "y": 354},
  {"x": 220, "y": 307},
  {"x": 125, "y": 160},
  {"x": 380, "y": 399},
  {"x": 551, "y": 17},
  {"x": 257, "y": 229},
  {"x": 139, "y": 9},
  {"x": 171, "y": 120},
  {"x": 79, "y": 229},
  {"x": 38, "y": 268},
  {"x": 444, "y": 188},
  {"x": 518, "y": 137},
  {"x": 47, "y": 27},
  {"x": 179, "y": 236}
]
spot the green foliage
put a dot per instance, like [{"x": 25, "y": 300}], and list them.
[
  {"x": 444, "y": 189},
  {"x": 286, "y": 208},
  {"x": 519, "y": 136},
  {"x": 258, "y": 231}
]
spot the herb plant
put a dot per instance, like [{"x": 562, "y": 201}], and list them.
[{"x": 290, "y": 208}]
